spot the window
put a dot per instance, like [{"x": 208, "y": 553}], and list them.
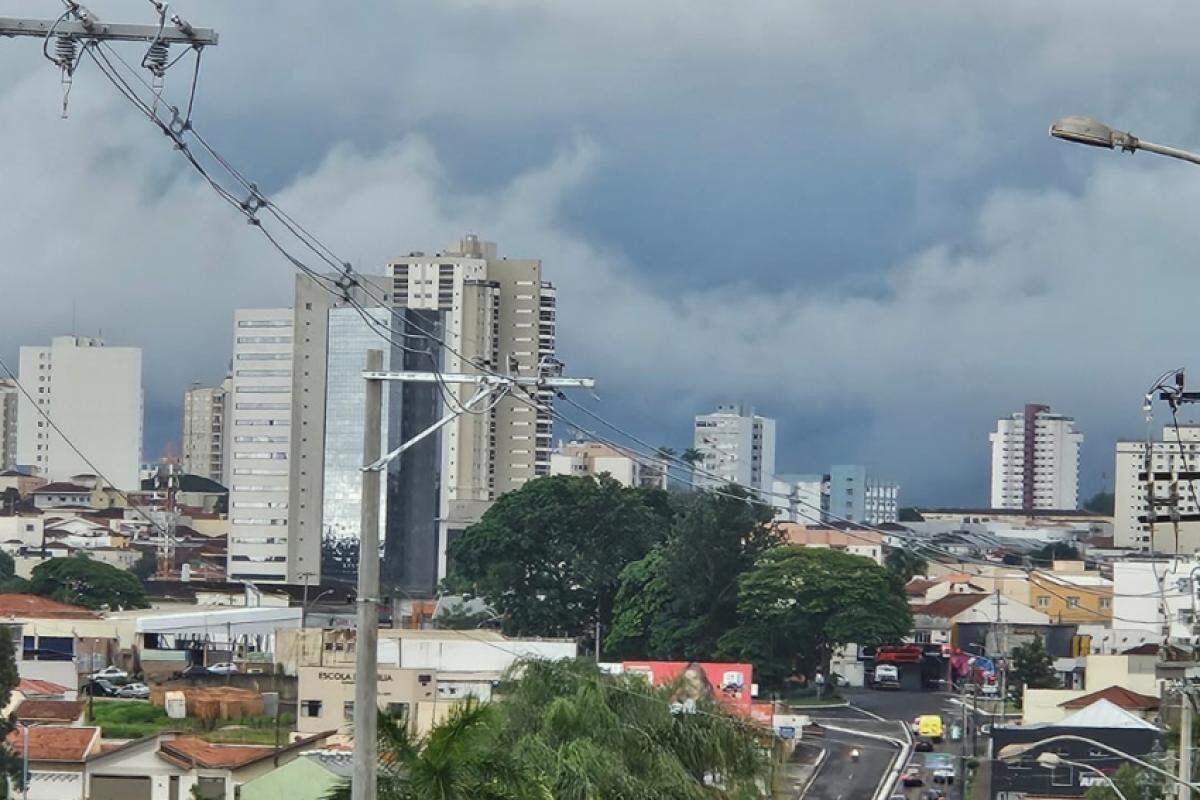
[
  {"x": 310, "y": 708},
  {"x": 348, "y": 709},
  {"x": 264, "y": 373},
  {"x": 1105, "y": 602},
  {"x": 263, "y": 389},
  {"x": 1043, "y": 601},
  {"x": 264, "y": 340},
  {"x": 264, "y": 406},
  {"x": 262, "y": 456},
  {"x": 264, "y": 323},
  {"x": 1072, "y": 601},
  {"x": 264, "y": 357}
]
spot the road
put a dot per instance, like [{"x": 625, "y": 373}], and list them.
[{"x": 845, "y": 779}]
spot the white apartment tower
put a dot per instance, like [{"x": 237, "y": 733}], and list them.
[
  {"x": 1035, "y": 461},
  {"x": 258, "y": 440},
  {"x": 498, "y": 313},
  {"x": 204, "y": 412},
  {"x": 8, "y": 423},
  {"x": 738, "y": 447},
  {"x": 1178, "y": 451},
  {"x": 93, "y": 393}
]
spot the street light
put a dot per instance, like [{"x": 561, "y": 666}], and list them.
[
  {"x": 1016, "y": 750},
  {"x": 1054, "y": 760},
  {"x": 1085, "y": 130}
]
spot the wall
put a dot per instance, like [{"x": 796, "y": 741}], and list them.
[
  {"x": 1042, "y": 705},
  {"x": 1135, "y": 673}
]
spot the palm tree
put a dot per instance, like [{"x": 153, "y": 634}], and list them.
[{"x": 692, "y": 457}]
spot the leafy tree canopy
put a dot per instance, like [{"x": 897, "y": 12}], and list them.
[
  {"x": 904, "y": 563},
  {"x": 677, "y": 601},
  {"x": 564, "y": 730},
  {"x": 1133, "y": 782},
  {"x": 798, "y": 604},
  {"x": 1060, "y": 551},
  {"x": 82, "y": 581},
  {"x": 547, "y": 557},
  {"x": 1031, "y": 668},
  {"x": 1101, "y": 503}
]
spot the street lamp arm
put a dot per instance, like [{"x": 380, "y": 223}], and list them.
[
  {"x": 1107, "y": 779},
  {"x": 1163, "y": 150},
  {"x": 1121, "y": 753}
]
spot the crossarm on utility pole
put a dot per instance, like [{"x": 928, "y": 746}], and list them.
[
  {"x": 482, "y": 378},
  {"x": 40, "y": 28}
]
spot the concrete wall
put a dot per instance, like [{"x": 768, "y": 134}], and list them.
[
  {"x": 1042, "y": 705},
  {"x": 1135, "y": 673}
]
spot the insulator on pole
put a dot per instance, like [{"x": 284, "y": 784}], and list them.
[{"x": 156, "y": 58}]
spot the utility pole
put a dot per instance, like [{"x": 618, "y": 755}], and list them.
[
  {"x": 366, "y": 658},
  {"x": 1185, "y": 744}
]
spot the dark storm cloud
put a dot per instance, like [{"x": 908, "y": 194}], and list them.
[{"x": 848, "y": 214}]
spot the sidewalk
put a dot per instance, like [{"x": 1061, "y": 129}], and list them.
[{"x": 800, "y": 770}]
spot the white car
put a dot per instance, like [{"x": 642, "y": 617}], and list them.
[
  {"x": 111, "y": 674},
  {"x": 224, "y": 668},
  {"x": 139, "y": 691}
]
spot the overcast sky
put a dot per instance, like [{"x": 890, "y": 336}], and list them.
[{"x": 847, "y": 214}]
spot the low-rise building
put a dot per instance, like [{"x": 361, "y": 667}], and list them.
[
  {"x": 421, "y": 674},
  {"x": 1071, "y": 596},
  {"x": 936, "y": 622},
  {"x": 867, "y": 544},
  {"x": 62, "y": 495},
  {"x": 597, "y": 458}
]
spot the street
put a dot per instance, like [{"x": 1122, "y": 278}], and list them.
[{"x": 841, "y": 778}]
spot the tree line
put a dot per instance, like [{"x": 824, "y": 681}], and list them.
[{"x": 672, "y": 576}]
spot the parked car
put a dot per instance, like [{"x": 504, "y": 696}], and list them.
[
  {"x": 887, "y": 677},
  {"x": 924, "y": 746},
  {"x": 224, "y": 668},
  {"x": 194, "y": 671},
  {"x": 100, "y": 687},
  {"x": 943, "y": 775},
  {"x": 139, "y": 691},
  {"x": 111, "y": 673},
  {"x": 912, "y": 777}
]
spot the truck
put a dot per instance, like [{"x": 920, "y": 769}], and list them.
[
  {"x": 929, "y": 727},
  {"x": 887, "y": 676}
]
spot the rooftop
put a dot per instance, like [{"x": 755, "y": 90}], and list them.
[
  {"x": 65, "y": 711},
  {"x": 32, "y": 687},
  {"x": 55, "y": 742},
  {"x": 191, "y": 751},
  {"x": 1118, "y": 696},
  {"x": 951, "y": 605},
  {"x": 917, "y": 587},
  {"x": 62, "y": 488},
  {"x": 32, "y": 606}
]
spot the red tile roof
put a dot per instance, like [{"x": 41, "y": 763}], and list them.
[
  {"x": 62, "y": 488},
  {"x": 950, "y": 606},
  {"x": 1147, "y": 649},
  {"x": 1117, "y": 695},
  {"x": 30, "y": 605},
  {"x": 32, "y": 687},
  {"x": 49, "y": 710},
  {"x": 190, "y": 750},
  {"x": 917, "y": 587},
  {"x": 55, "y": 742}
]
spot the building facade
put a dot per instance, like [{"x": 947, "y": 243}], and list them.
[
  {"x": 258, "y": 442},
  {"x": 490, "y": 311},
  {"x": 205, "y": 409},
  {"x": 597, "y": 458},
  {"x": 856, "y": 496},
  {"x": 1035, "y": 460},
  {"x": 8, "y": 424},
  {"x": 1177, "y": 451},
  {"x": 801, "y": 498},
  {"x": 738, "y": 446},
  {"x": 93, "y": 393}
]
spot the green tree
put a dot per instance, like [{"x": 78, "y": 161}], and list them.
[
  {"x": 548, "y": 556},
  {"x": 692, "y": 456},
  {"x": 677, "y": 601},
  {"x": 565, "y": 731},
  {"x": 904, "y": 563},
  {"x": 1055, "y": 551},
  {"x": 797, "y": 605},
  {"x": 1134, "y": 784},
  {"x": 1031, "y": 668},
  {"x": 1101, "y": 503},
  {"x": 84, "y": 582},
  {"x": 146, "y": 565},
  {"x": 10, "y": 763}
]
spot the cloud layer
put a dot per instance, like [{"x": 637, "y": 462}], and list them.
[{"x": 851, "y": 218}]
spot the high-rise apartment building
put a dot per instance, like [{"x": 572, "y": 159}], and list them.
[
  {"x": 738, "y": 447},
  {"x": 94, "y": 395},
  {"x": 857, "y": 496},
  {"x": 205, "y": 409},
  {"x": 1177, "y": 451},
  {"x": 258, "y": 438},
  {"x": 1035, "y": 461},
  {"x": 8, "y": 423},
  {"x": 497, "y": 313}
]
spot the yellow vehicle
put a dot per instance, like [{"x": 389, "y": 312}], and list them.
[{"x": 930, "y": 727}]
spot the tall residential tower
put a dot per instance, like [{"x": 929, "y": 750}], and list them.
[
  {"x": 94, "y": 395},
  {"x": 1035, "y": 461},
  {"x": 738, "y": 446},
  {"x": 205, "y": 409}
]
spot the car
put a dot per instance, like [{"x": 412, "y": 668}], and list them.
[
  {"x": 887, "y": 677},
  {"x": 224, "y": 668},
  {"x": 194, "y": 671},
  {"x": 111, "y": 673},
  {"x": 138, "y": 691},
  {"x": 912, "y": 777},
  {"x": 943, "y": 776},
  {"x": 100, "y": 687},
  {"x": 924, "y": 746}
]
